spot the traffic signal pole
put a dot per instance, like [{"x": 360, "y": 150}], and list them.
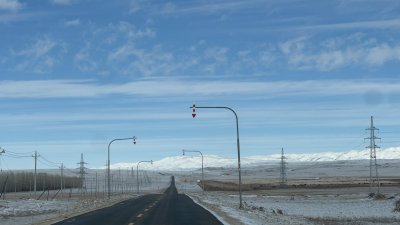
[
  {"x": 108, "y": 161},
  {"x": 237, "y": 142}
]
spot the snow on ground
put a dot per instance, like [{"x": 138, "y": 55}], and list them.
[
  {"x": 31, "y": 211},
  {"x": 28, "y": 207},
  {"x": 279, "y": 210},
  {"x": 332, "y": 206},
  {"x": 20, "y": 209}
]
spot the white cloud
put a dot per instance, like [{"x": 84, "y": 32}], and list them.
[
  {"x": 305, "y": 53},
  {"x": 62, "y": 2},
  {"x": 84, "y": 61},
  {"x": 41, "y": 56},
  {"x": 293, "y": 45},
  {"x": 215, "y": 57},
  {"x": 245, "y": 56},
  {"x": 136, "y": 6},
  {"x": 218, "y": 54},
  {"x": 169, "y": 8},
  {"x": 131, "y": 31},
  {"x": 40, "y": 48},
  {"x": 122, "y": 52},
  {"x": 75, "y": 22},
  {"x": 209, "y": 7},
  {"x": 378, "y": 55},
  {"x": 20, "y": 16},
  {"x": 122, "y": 32},
  {"x": 170, "y": 88},
  {"x": 373, "y": 24},
  {"x": 151, "y": 62},
  {"x": 10, "y": 5}
]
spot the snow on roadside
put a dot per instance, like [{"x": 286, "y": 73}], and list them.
[
  {"x": 227, "y": 207},
  {"x": 30, "y": 211},
  {"x": 16, "y": 208},
  {"x": 279, "y": 210}
]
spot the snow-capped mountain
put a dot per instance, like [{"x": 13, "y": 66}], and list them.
[{"x": 194, "y": 162}]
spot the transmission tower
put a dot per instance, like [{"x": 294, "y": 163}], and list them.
[
  {"x": 283, "y": 178},
  {"x": 82, "y": 172},
  {"x": 374, "y": 184}
]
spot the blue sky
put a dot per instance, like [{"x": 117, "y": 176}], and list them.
[{"x": 303, "y": 75}]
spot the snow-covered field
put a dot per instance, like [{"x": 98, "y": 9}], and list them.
[
  {"x": 31, "y": 211},
  {"x": 306, "y": 209},
  {"x": 22, "y": 209},
  {"x": 332, "y": 206}
]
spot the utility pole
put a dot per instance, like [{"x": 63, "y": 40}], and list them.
[
  {"x": 35, "y": 177},
  {"x": 62, "y": 176},
  {"x": 283, "y": 178},
  {"x": 373, "y": 166},
  {"x": 120, "y": 181},
  {"x": 95, "y": 193},
  {"x": 1, "y": 152}
]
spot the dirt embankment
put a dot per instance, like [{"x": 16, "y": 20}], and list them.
[{"x": 213, "y": 185}]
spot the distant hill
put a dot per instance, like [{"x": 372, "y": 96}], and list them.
[{"x": 194, "y": 162}]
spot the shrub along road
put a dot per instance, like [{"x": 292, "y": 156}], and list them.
[{"x": 169, "y": 208}]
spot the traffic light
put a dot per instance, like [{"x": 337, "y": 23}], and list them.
[{"x": 194, "y": 111}]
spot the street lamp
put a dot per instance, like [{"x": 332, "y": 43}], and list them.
[
  {"x": 108, "y": 162},
  {"x": 202, "y": 164},
  {"x": 2, "y": 150},
  {"x": 237, "y": 141},
  {"x": 137, "y": 174}
]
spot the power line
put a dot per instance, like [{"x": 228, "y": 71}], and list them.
[
  {"x": 51, "y": 162},
  {"x": 20, "y": 153},
  {"x": 47, "y": 164}
]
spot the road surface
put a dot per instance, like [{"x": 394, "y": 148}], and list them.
[{"x": 169, "y": 208}]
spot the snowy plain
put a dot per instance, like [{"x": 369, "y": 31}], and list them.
[
  {"x": 333, "y": 206},
  {"x": 308, "y": 209},
  {"x": 24, "y": 209},
  {"x": 330, "y": 206}
]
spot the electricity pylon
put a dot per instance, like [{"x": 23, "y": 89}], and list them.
[
  {"x": 283, "y": 177},
  {"x": 374, "y": 184},
  {"x": 82, "y": 172}
]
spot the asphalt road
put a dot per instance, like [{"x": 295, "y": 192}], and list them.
[{"x": 169, "y": 208}]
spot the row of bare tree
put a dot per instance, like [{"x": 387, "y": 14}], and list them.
[{"x": 24, "y": 181}]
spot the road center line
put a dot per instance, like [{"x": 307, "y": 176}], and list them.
[{"x": 140, "y": 215}]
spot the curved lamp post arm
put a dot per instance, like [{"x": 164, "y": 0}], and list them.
[
  {"x": 237, "y": 142},
  {"x": 108, "y": 161},
  {"x": 137, "y": 174},
  {"x": 202, "y": 164}
]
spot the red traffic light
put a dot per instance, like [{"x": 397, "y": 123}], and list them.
[{"x": 194, "y": 111}]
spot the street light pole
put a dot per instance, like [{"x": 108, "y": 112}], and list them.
[
  {"x": 137, "y": 174},
  {"x": 108, "y": 161},
  {"x": 2, "y": 151},
  {"x": 202, "y": 164},
  {"x": 237, "y": 142}
]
